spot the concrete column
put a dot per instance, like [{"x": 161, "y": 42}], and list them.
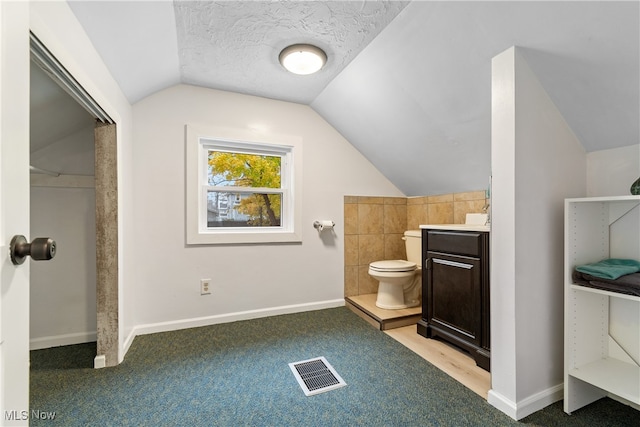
[{"x": 106, "y": 244}]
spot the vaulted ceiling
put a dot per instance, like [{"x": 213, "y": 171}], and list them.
[{"x": 407, "y": 83}]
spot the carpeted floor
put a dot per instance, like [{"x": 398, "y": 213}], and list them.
[{"x": 237, "y": 374}]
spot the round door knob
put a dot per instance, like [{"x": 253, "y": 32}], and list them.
[
  {"x": 43, "y": 249},
  {"x": 40, "y": 249}
]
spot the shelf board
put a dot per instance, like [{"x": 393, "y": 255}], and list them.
[
  {"x": 614, "y": 376},
  {"x": 603, "y": 199},
  {"x": 603, "y": 292}
]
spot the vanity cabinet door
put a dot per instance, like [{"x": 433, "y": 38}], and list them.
[
  {"x": 455, "y": 290},
  {"x": 454, "y": 286}
]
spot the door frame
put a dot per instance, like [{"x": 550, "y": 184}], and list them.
[{"x": 106, "y": 192}]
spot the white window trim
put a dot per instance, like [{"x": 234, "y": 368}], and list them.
[{"x": 196, "y": 138}]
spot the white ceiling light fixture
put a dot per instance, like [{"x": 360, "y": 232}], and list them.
[{"x": 302, "y": 59}]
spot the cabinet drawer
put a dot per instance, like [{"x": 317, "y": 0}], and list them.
[{"x": 464, "y": 243}]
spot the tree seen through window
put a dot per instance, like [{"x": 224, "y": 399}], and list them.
[{"x": 250, "y": 201}]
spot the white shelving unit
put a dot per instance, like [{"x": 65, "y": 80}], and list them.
[{"x": 601, "y": 328}]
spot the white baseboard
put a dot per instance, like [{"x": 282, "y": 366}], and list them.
[
  {"x": 540, "y": 400},
  {"x": 127, "y": 343},
  {"x": 535, "y": 402},
  {"x": 503, "y": 404},
  {"x": 99, "y": 362},
  {"x": 59, "y": 340},
  {"x": 175, "y": 325}
]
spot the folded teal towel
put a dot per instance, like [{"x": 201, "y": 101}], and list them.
[{"x": 610, "y": 268}]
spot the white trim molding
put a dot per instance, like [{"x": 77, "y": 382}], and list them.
[
  {"x": 153, "y": 328},
  {"x": 525, "y": 407},
  {"x": 60, "y": 340}
]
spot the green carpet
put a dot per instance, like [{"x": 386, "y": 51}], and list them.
[{"x": 237, "y": 374}]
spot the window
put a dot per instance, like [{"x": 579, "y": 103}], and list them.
[
  {"x": 244, "y": 187},
  {"x": 240, "y": 190}
]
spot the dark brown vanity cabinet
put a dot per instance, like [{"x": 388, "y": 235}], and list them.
[{"x": 455, "y": 290}]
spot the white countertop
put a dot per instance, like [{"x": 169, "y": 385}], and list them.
[{"x": 457, "y": 227}]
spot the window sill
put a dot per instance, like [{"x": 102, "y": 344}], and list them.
[{"x": 263, "y": 237}]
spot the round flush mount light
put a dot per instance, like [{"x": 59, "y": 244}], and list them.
[{"x": 303, "y": 58}]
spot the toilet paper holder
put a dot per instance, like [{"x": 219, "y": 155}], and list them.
[{"x": 323, "y": 225}]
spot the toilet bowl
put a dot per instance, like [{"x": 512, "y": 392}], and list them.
[
  {"x": 394, "y": 276},
  {"x": 400, "y": 281}
]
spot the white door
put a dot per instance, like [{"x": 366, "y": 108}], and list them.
[{"x": 14, "y": 211}]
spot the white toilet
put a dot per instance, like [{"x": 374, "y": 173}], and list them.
[{"x": 400, "y": 281}]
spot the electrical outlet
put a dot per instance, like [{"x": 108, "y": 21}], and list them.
[{"x": 205, "y": 286}]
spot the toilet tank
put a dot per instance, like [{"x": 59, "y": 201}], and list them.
[{"x": 413, "y": 244}]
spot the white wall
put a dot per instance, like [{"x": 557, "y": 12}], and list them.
[
  {"x": 56, "y": 26},
  {"x": 248, "y": 280},
  {"x": 74, "y": 154},
  {"x": 537, "y": 162},
  {"x": 611, "y": 172},
  {"x": 63, "y": 290}
]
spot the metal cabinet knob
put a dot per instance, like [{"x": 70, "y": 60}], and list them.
[{"x": 40, "y": 249}]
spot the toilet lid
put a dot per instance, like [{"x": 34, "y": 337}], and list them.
[{"x": 393, "y": 265}]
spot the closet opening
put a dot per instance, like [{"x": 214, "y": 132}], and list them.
[{"x": 73, "y": 163}]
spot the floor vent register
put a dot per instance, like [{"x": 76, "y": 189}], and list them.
[{"x": 316, "y": 376}]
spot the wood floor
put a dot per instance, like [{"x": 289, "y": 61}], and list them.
[{"x": 451, "y": 360}]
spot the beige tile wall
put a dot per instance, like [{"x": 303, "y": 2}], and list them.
[
  {"x": 374, "y": 226},
  {"x": 444, "y": 208}
]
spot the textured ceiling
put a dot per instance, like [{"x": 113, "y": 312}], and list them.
[
  {"x": 407, "y": 85},
  {"x": 235, "y": 45},
  {"x": 228, "y": 45}
]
